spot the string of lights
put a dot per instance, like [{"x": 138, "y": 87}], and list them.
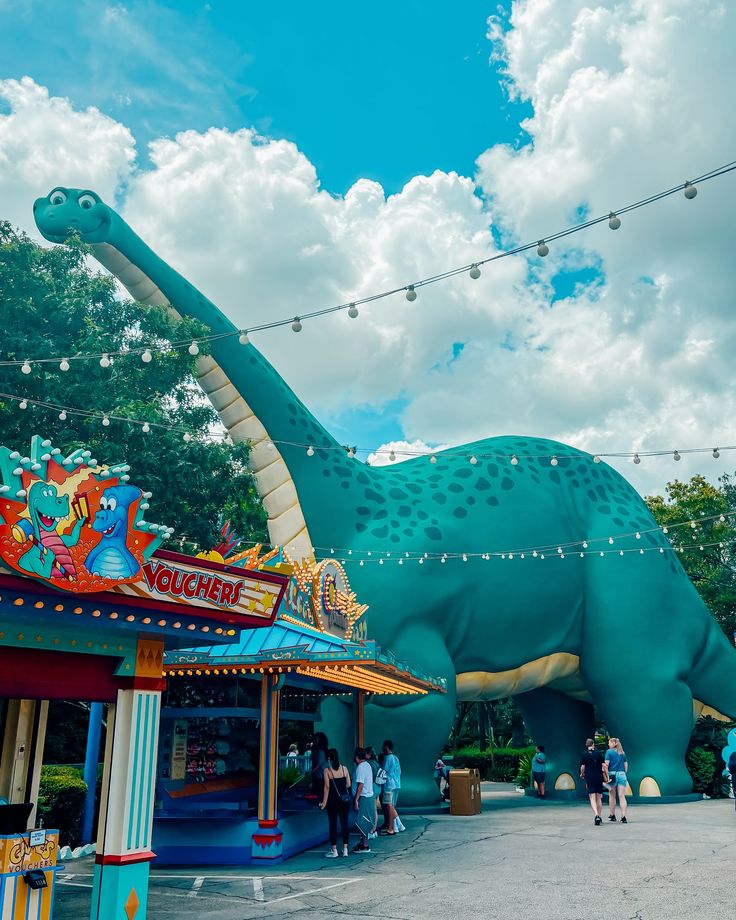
[
  {"x": 145, "y": 351},
  {"x": 393, "y": 454}
]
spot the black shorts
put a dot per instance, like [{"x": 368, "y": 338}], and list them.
[
  {"x": 594, "y": 787},
  {"x": 538, "y": 777}
]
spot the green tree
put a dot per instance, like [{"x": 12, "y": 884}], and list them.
[
  {"x": 712, "y": 568},
  {"x": 53, "y": 305}
]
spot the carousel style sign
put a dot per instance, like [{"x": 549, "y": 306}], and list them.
[{"x": 72, "y": 522}]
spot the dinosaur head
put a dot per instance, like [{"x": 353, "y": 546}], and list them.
[
  {"x": 112, "y": 518},
  {"x": 46, "y": 507},
  {"x": 65, "y": 211}
]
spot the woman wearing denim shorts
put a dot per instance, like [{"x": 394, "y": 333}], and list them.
[{"x": 618, "y": 767}]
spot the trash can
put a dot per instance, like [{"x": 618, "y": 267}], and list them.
[{"x": 465, "y": 792}]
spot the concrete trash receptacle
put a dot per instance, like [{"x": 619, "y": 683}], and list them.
[{"x": 465, "y": 792}]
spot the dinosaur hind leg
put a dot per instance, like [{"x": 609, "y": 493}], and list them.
[
  {"x": 713, "y": 677},
  {"x": 561, "y": 724}
]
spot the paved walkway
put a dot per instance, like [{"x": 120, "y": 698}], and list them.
[{"x": 519, "y": 859}]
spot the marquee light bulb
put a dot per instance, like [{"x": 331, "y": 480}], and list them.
[
  {"x": 243, "y": 337},
  {"x": 542, "y": 249},
  {"x": 411, "y": 294},
  {"x": 105, "y": 361},
  {"x": 26, "y": 368},
  {"x": 716, "y": 453},
  {"x": 353, "y": 311},
  {"x": 690, "y": 191},
  {"x": 193, "y": 348},
  {"x": 310, "y": 451},
  {"x": 474, "y": 272},
  {"x": 296, "y": 326},
  {"x": 64, "y": 366},
  {"x": 614, "y": 222}
]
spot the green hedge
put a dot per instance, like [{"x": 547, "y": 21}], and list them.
[
  {"x": 61, "y": 797},
  {"x": 500, "y": 764}
]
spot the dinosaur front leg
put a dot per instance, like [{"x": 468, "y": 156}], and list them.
[{"x": 561, "y": 724}]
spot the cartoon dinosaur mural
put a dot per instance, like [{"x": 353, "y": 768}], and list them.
[
  {"x": 111, "y": 558},
  {"x": 629, "y": 632},
  {"x": 49, "y": 554}
]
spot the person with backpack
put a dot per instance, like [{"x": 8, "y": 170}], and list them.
[
  {"x": 392, "y": 766},
  {"x": 336, "y": 798},
  {"x": 363, "y": 803}
]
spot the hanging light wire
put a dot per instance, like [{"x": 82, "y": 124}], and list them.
[{"x": 408, "y": 289}]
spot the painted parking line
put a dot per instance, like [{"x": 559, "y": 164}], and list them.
[
  {"x": 306, "y": 894},
  {"x": 258, "y": 889},
  {"x": 196, "y": 885}
]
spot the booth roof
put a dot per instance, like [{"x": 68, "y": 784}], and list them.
[{"x": 288, "y": 648}]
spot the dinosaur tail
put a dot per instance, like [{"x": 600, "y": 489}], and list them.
[{"x": 713, "y": 677}]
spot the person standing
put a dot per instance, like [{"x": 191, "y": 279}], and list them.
[
  {"x": 363, "y": 804},
  {"x": 732, "y": 771},
  {"x": 336, "y": 800},
  {"x": 392, "y": 766},
  {"x": 618, "y": 767},
  {"x": 539, "y": 770},
  {"x": 373, "y": 763},
  {"x": 593, "y": 770}
]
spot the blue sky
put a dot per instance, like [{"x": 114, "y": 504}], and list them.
[{"x": 382, "y": 90}]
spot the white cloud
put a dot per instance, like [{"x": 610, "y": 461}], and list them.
[
  {"x": 402, "y": 450},
  {"x": 45, "y": 141},
  {"x": 626, "y": 100}
]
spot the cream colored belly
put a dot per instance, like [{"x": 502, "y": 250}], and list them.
[{"x": 560, "y": 671}]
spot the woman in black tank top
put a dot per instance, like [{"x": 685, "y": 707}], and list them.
[{"x": 336, "y": 801}]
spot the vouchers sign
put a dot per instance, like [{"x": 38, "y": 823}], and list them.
[{"x": 236, "y": 594}]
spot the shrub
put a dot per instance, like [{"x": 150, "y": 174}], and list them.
[
  {"x": 290, "y": 776},
  {"x": 701, "y": 764},
  {"x": 524, "y": 775},
  {"x": 61, "y": 797},
  {"x": 500, "y": 765}
]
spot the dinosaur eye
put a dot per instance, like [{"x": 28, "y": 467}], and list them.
[
  {"x": 112, "y": 504},
  {"x": 87, "y": 201},
  {"x": 103, "y": 503},
  {"x": 57, "y": 197}
]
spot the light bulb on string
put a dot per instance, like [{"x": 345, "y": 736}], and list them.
[
  {"x": 596, "y": 459},
  {"x": 62, "y": 415},
  {"x": 243, "y": 337},
  {"x": 553, "y": 461},
  {"x": 351, "y": 453},
  {"x": 465, "y": 558},
  {"x": 610, "y": 540},
  {"x": 690, "y": 191},
  {"x": 145, "y": 428},
  {"x": 146, "y": 357},
  {"x": 411, "y": 294},
  {"x": 421, "y": 561},
  {"x": 542, "y": 249},
  {"x": 186, "y": 436},
  {"x": 535, "y": 554},
  {"x": 473, "y": 460},
  {"x": 620, "y": 552},
  {"x": 64, "y": 366},
  {"x": 193, "y": 348},
  {"x": 353, "y": 311},
  {"x": 105, "y": 421},
  {"x": 474, "y": 272},
  {"x": 514, "y": 460},
  {"x": 310, "y": 451},
  {"x": 637, "y": 535},
  {"x": 23, "y": 404},
  {"x": 614, "y": 221},
  {"x": 637, "y": 458},
  {"x": 26, "y": 367},
  {"x": 582, "y": 555},
  {"x": 676, "y": 455},
  {"x": 585, "y": 544},
  {"x": 716, "y": 453},
  {"x": 105, "y": 360},
  {"x": 296, "y": 325},
  {"x": 392, "y": 456},
  {"x": 432, "y": 458}
]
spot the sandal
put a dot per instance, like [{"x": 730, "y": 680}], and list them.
[{"x": 387, "y": 833}]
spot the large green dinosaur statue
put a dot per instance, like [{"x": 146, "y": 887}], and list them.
[{"x": 628, "y": 631}]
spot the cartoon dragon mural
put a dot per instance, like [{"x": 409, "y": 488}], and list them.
[
  {"x": 49, "y": 554},
  {"x": 536, "y": 629}
]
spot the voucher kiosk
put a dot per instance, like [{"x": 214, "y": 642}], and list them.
[{"x": 89, "y": 602}]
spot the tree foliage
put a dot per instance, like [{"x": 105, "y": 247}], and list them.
[
  {"x": 712, "y": 569},
  {"x": 54, "y": 305}
]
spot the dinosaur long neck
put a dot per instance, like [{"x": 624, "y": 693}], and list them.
[{"x": 253, "y": 401}]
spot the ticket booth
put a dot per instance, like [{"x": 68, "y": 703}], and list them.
[{"x": 89, "y": 603}]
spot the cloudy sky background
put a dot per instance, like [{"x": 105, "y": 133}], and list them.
[{"x": 285, "y": 164}]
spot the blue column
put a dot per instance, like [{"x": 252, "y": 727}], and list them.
[{"x": 90, "y": 769}]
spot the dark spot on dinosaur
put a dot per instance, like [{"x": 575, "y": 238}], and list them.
[
  {"x": 507, "y": 483},
  {"x": 380, "y": 514},
  {"x": 403, "y": 511},
  {"x": 604, "y": 509},
  {"x": 373, "y": 496},
  {"x": 433, "y": 533},
  {"x": 455, "y": 487},
  {"x": 492, "y": 470},
  {"x": 492, "y": 501},
  {"x": 439, "y": 497},
  {"x": 592, "y": 495},
  {"x": 292, "y": 421},
  {"x": 463, "y": 473},
  {"x": 482, "y": 484},
  {"x": 397, "y": 494},
  {"x": 303, "y": 422},
  {"x": 362, "y": 510},
  {"x": 554, "y": 476},
  {"x": 326, "y": 472},
  {"x": 362, "y": 478},
  {"x": 361, "y": 527},
  {"x": 470, "y": 500},
  {"x": 435, "y": 478},
  {"x": 602, "y": 492},
  {"x": 345, "y": 484},
  {"x": 413, "y": 487},
  {"x": 460, "y": 512},
  {"x": 342, "y": 472},
  {"x": 380, "y": 532},
  {"x": 618, "y": 522},
  {"x": 422, "y": 515},
  {"x": 408, "y": 532},
  {"x": 394, "y": 538}
]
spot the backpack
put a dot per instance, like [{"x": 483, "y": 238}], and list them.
[{"x": 381, "y": 776}]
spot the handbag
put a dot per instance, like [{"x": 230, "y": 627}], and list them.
[{"x": 343, "y": 796}]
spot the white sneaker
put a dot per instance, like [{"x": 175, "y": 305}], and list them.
[
  {"x": 331, "y": 854},
  {"x": 373, "y": 835},
  {"x": 398, "y": 826}
]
